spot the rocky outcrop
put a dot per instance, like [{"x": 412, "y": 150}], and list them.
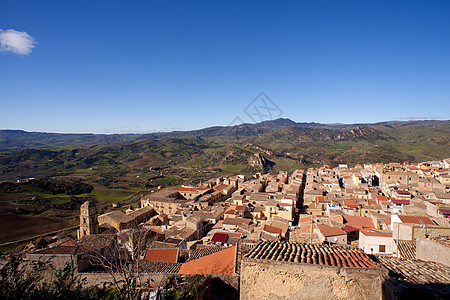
[{"x": 260, "y": 161}]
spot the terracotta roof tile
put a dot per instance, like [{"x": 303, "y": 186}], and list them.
[
  {"x": 351, "y": 203},
  {"x": 203, "y": 251},
  {"x": 399, "y": 201},
  {"x": 312, "y": 254},
  {"x": 416, "y": 271},
  {"x": 406, "y": 249},
  {"x": 220, "y": 237},
  {"x": 358, "y": 222},
  {"x": 349, "y": 229},
  {"x": 218, "y": 225},
  {"x": 169, "y": 255},
  {"x": 415, "y": 219},
  {"x": 330, "y": 231},
  {"x": 236, "y": 221},
  {"x": 222, "y": 262},
  {"x": 376, "y": 233},
  {"x": 271, "y": 229},
  {"x": 158, "y": 267}
]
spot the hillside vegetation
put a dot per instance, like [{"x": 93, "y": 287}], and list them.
[{"x": 245, "y": 148}]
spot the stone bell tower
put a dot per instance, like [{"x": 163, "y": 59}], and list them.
[{"x": 88, "y": 219}]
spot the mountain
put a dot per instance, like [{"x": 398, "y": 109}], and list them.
[
  {"x": 15, "y": 140},
  {"x": 273, "y": 145}
]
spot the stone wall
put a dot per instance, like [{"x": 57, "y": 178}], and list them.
[
  {"x": 432, "y": 251},
  {"x": 153, "y": 279},
  {"x": 101, "y": 278},
  {"x": 263, "y": 279}
]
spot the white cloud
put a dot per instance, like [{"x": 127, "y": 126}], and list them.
[{"x": 18, "y": 42}]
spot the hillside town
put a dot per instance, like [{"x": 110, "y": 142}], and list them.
[{"x": 366, "y": 231}]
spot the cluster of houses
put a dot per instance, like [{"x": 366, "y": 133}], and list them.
[
  {"x": 391, "y": 210},
  {"x": 228, "y": 211},
  {"x": 377, "y": 206}
]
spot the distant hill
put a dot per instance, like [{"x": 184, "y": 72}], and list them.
[
  {"x": 269, "y": 145},
  {"x": 14, "y": 140}
]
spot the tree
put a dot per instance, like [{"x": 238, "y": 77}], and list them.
[
  {"x": 18, "y": 281},
  {"x": 123, "y": 262},
  {"x": 22, "y": 279}
]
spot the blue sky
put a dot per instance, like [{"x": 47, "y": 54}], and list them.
[{"x": 142, "y": 66}]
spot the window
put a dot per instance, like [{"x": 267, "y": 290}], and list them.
[{"x": 381, "y": 248}]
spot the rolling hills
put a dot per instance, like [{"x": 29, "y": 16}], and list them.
[{"x": 246, "y": 148}]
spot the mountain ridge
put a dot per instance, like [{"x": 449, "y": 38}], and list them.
[
  {"x": 273, "y": 145},
  {"x": 16, "y": 140}
]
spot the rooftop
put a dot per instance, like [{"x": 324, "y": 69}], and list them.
[
  {"x": 271, "y": 229},
  {"x": 203, "y": 251},
  {"x": 220, "y": 237},
  {"x": 406, "y": 249},
  {"x": 236, "y": 221},
  {"x": 415, "y": 220},
  {"x": 158, "y": 267},
  {"x": 358, "y": 222},
  {"x": 416, "y": 271},
  {"x": 330, "y": 231},
  {"x": 169, "y": 255},
  {"x": 221, "y": 262},
  {"x": 376, "y": 233},
  {"x": 312, "y": 254}
]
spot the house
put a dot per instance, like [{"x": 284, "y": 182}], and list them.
[
  {"x": 446, "y": 163},
  {"x": 376, "y": 242},
  {"x": 234, "y": 223},
  {"x": 120, "y": 220},
  {"x": 219, "y": 263},
  {"x": 166, "y": 201},
  {"x": 192, "y": 193},
  {"x": 281, "y": 224},
  {"x": 302, "y": 271},
  {"x": 352, "y": 233},
  {"x": 410, "y": 220},
  {"x": 274, "y": 231},
  {"x": 236, "y": 211},
  {"x": 258, "y": 214},
  {"x": 398, "y": 204},
  {"x": 83, "y": 253},
  {"x": 412, "y": 227},
  {"x": 226, "y": 190},
  {"x": 169, "y": 255},
  {"x": 219, "y": 238},
  {"x": 331, "y": 235},
  {"x": 433, "y": 208},
  {"x": 358, "y": 222},
  {"x": 399, "y": 194}
]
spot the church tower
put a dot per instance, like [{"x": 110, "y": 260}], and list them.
[{"x": 88, "y": 219}]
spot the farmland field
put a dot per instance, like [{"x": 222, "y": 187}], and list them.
[{"x": 20, "y": 227}]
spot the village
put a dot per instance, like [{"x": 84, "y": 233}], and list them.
[{"x": 379, "y": 229}]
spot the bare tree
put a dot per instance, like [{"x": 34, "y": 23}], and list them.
[{"x": 122, "y": 260}]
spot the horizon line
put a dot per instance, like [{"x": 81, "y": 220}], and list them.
[{"x": 399, "y": 120}]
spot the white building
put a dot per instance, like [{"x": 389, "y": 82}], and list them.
[
  {"x": 374, "y": 242},
  {"x": 332, "y": 235}
]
